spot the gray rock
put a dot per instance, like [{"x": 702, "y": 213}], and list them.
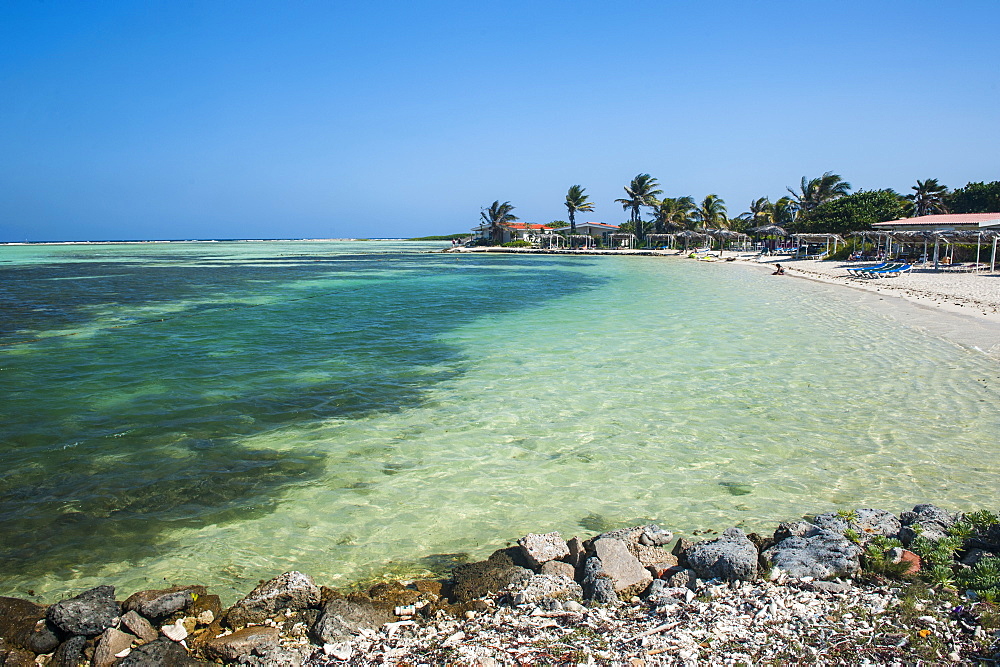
[
  {"x": 988, "y": 540},
  {"x": 597, "y": 585},
  {"x": 680, "y": 548},
  {"x": 291, "y": 590},
  {"x": 69, "y": 653},
  {"x": 159, "y": 604},
  {"x": 542, "y": 586},
  {"x": 660, "y": 592},
  {"x": 342, "y": 619},
  {"x": 257, "y": 639},
  {"x": 829, "y": 587},
  {"x": 682, "y": 578},
  {"x": 113, "y": 641},
  {"x": 655, "y": 587},
  {"x": 822, "y": 555},
  {"x": 89, "y": 614},
  {"x": 541, "y": 548},
  {"x": 558, "y": 567},
  {"x": 279, "y": 656},
  {"x": 731, "y": 557},
  {"x": 577, "y": 552},
  {"x": 793, "y": 529},
  {"x": 650, "y": 555},
  {"x": 22, "y": 624},
  {"x": 867, "y": 523},
  {"x": 973, "y": 556},
  {"x": 649, "y": 535},
  {"x": 139, "y": 626},
  {"x": 488, "y": 577},
  {"x": 630, "y": 577},
  {"x": 928, "y": 520},
  {"x": 44, "y": 639},
  {"x": 161, "y": 653}
]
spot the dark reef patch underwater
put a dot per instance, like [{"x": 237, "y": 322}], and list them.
[{"x": 126, "y": 419}]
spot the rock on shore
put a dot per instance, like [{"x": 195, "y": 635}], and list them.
[{"x": 618, "y": 596}]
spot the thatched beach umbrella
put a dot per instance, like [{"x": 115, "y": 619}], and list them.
[
  {"x": 689, "y": 234},
  {"x": 768, "y": 230}
]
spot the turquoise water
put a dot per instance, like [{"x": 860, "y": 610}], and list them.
[{"x": 221, "y": 412}]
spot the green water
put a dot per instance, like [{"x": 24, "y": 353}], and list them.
[{"x": 221, "y": 412}]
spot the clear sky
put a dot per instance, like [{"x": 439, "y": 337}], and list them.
[{"x": 194, "y": 119}]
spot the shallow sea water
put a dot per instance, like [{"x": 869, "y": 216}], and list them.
[{"x": 222, "y": 412}]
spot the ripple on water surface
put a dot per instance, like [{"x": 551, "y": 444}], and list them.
[{"x": 357, "y": 412}]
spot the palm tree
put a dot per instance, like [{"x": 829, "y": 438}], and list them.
[
  {"x": 712, "y": 213},
  {"x": 928, "y": 197},
  {"x": 763, "y": 212},
  {"x": 498, "y": 216},
  {"x": 817, "y": 191},
  {"x": 673, "y": 212},
  {"x": 783, "y": 212},
  {"x": 641, "y": 192},
  {"x": 576, "y": 201}
]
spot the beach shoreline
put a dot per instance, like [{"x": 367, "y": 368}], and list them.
[{"x": 961, "y": 307}]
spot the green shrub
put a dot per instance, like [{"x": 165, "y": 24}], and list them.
[
  {"x": 983, "y": 578},
  {"x": 517, "y": 244},
  {"x": 876, "y": 557}
]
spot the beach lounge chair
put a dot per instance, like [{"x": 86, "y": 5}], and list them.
[
  {"x": 864, "y": 269},
  {"x": 890, "y": 273}
]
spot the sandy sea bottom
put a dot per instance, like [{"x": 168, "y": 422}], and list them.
[{"x": 356, "y": 409}]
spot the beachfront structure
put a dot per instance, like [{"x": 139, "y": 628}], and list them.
[
  {"x": 597, "y": 230},
  {"x": 515, "y": 231},
  {"x": 947, "y": 227},
  {"x": 943, "y": 222}
]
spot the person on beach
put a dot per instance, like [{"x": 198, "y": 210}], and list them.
[{"x": 778, "y": 271}]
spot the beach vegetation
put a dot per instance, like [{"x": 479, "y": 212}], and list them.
[
  {"x": 556, "y": 223},
  {"x": 878, "y": 559},
  {"x": 983, "y": 578},
  {"x": 641, "y": 191},
  {"x": 847, "y": 515},
  {"x": 711, "y": 213},
  {"x": 517, "y": 244},
  {"x": 673, "y": 213},
  {"x": 928, "y": 197},
  {"x": 817, "y": 191},
  {"x": 498, "y": 216},
  {"x": 577, "y": 202},
  {"x": 854, "y": 212},
  {"x": 974, "y": 198}
]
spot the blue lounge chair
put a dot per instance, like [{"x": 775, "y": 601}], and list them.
[
  {"x": 864, "y": 269},
  {"x": 889, "y": 273}
]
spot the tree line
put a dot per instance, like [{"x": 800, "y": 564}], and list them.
[{"x": 822, "y": 204}]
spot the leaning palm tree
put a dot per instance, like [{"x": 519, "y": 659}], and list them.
[
  {"x": 640, "y": 192},
  {"x": 928, "y": 197},
  {"x": 712, "y": 213},
  {"x": 577, "y": 201},
  {"x": 498, "y": 216},
  {"x": 820, "y": 190}
]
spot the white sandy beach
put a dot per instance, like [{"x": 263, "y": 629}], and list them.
[{"x": 964, "y": 307}]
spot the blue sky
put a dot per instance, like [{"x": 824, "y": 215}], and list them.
[{"x": 186, "y": 119}]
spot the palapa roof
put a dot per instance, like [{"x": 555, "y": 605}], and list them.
[{"x": 942, "y": 220}]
